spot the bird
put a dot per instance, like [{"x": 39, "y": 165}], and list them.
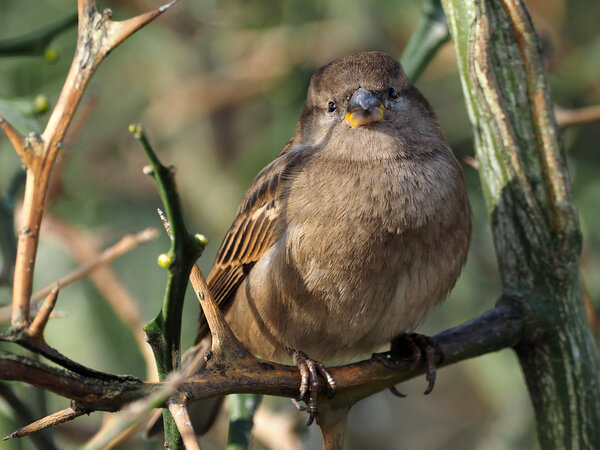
[{"x": 358, "y": 228}]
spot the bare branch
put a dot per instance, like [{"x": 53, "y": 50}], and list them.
[
  {"x": 16, "y": 140},
  {"x": 36, "y": 329},
  {"x": 124, "y": 245},
  {"x": 49, "y": 421},
  {"x": 184, "y": 425},
  {"x": 496, "y": 329},
  {"x": 120, "y": 31},
  {"x": 136, "y": 412},
  {"x": 97, "y": 36},
  {"x": 569, "y": 117}
]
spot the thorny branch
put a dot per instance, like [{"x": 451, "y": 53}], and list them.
[
  {"x": 224, "y": 374},
  {"x": 98, "y": 35}
]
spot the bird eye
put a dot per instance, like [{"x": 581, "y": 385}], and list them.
[
  {"x": 393, "y": 93},
  {"x": 331, "y": 107}
]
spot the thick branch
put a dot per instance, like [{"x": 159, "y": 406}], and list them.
[{"x": 497, "y": 329}]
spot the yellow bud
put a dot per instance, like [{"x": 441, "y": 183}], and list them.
[
  {"x": 50, "y": 55},
  {"x": 40, "y": 103},
  {"x": 165, "y": 260},
  {"x": 202, "y": 239}
]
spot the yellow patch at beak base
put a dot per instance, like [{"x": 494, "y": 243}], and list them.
[{"x": 361, "y": 117}]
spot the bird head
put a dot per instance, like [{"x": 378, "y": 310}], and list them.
[{"x": 359, "y": 91}]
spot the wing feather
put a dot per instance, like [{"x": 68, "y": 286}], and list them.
[{"x": 255, "y": 228}]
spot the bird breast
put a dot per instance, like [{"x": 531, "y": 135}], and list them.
[{"x": 360, "y": 260}]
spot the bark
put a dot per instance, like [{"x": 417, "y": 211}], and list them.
[{"x": 534, "y": 222}]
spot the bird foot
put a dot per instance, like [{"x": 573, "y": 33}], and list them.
[
  {"x": 420, "y": 346},
  {"x": 309, "y": 382}
]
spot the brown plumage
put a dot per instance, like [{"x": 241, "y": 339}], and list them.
[{"x": 355, "y": 231}]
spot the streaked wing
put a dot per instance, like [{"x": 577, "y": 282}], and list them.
[{"x": 254, "y": 230}]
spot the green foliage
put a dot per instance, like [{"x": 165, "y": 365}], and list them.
[{"x": 219, "y": 119}]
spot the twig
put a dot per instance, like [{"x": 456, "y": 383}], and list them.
[
  {"x": 37, "y": 326},
  {"x": 52, "y": 420},
  {"x": 471, "y": 161},
  {"x": 570, "y": 117},
  {"x": 22, "y": 414},
  {"x": 124, "y": 245},
  {"x": 135, "y": 413},
  {"x": 84, "y": 249},
  {"x": 184, "y": 425},
  {"x": 15, "y": 139},
  {"x": 97, "y": 37},
  {"x": 164, "y": 331}
]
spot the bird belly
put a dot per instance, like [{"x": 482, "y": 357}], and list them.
[
  {"x": 357, "y": 266},
  {"x": 341, "y": 311}
]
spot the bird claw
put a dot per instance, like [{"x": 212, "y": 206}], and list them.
[
  {"x": 309, "y": 382},
  {"x": 420, "y": 346},
  {"x": 396, "y": 392}
]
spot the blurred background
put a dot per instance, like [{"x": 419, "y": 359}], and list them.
[{"x": 218, "y": 86}]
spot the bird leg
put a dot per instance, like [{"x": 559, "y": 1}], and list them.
[
  {"x": 420, "y": 346},
  {"x": 309, "y": 381}
]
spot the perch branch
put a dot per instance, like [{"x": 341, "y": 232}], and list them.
[{"x": 499, "y": 328}]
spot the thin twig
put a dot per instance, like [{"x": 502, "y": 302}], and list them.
[
  {"x": 16, "y": 140},
  {"x": 84, "y": 249},
  {"x": 124, "y": 245},
  {"x": 37, "y": 326},
  {"x": 97, "y": 37},
  {"x": 135, "y": 413},
  {"x": 52, "y": 420},
  {"x": 184, "y": 425},
  {"x": 23, "y": 414},
  {"x": 570, "y": 117}
]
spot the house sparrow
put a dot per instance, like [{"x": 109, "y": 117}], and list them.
[{"x": 359, "y": 227}]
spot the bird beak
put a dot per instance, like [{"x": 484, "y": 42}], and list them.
[{"x": 364, "y": 108}]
